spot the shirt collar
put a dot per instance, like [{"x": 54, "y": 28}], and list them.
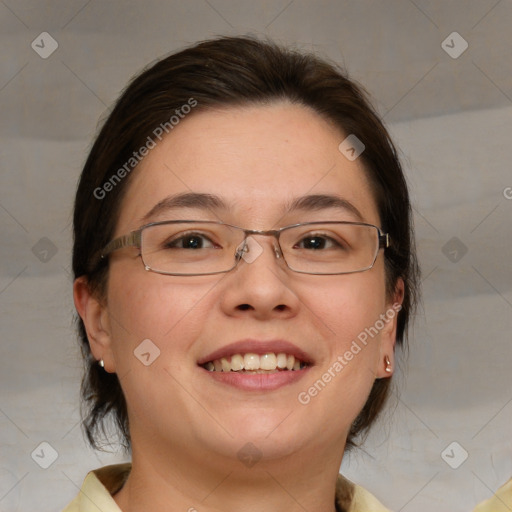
[{"x": 101, "y": 484}]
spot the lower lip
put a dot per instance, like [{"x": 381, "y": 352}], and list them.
[{"x": 258, "y": 381}]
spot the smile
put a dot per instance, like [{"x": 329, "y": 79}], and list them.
[{"x": 255, "y": 363}]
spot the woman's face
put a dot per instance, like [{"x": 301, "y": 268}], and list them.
[{"x": 257, "y": 161}]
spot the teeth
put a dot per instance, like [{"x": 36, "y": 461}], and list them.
[
  {"x": 237, "y": 363},
  {"x": 254, "y": 363},
  {"x": 268, "y": 362},
  {"x": 226, "y": 365},
  {"x": 251, "y": 362},
  {"x": 281, "y": 361}
]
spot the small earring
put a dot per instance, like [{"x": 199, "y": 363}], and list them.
[
  {"x": 101, "y": 363},
  {"x": 388, "y": 364}
]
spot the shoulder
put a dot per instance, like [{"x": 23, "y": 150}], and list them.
[
  {"x": 354, "y": 498},
  {"x": 501, "y": 501},
  {"x": 351, "y": 497},
  {"x": 97, "y": 489}
]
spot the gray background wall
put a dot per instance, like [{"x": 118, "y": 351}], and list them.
[{"x": 452, "y": 119}]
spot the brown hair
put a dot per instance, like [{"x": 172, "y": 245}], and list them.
[{"x": 229, "y": 71}]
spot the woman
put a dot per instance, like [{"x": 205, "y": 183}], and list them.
[{"x": 245, "y": 267}]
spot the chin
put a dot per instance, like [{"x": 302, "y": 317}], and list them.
[{"x": 276, "y": 433}]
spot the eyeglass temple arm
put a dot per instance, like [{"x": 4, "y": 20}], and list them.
[
  {"x": 133, "y": 239},
  {"x": 384, "y": 240}
]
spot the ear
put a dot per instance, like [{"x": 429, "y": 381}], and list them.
[
  {"x": 95, "y": 316},
  {"x": 388, "y": 333}
]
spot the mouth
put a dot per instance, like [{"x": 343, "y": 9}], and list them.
[
  {"x": 269, "y": 362},
  {"x": 252, "y": 365}
]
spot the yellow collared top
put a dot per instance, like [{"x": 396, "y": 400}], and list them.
[{"x": 101, "y": 484}]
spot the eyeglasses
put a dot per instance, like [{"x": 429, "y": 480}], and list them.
[{"x": 194, "y": 248}]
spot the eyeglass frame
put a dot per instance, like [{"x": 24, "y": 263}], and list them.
[{"x": 134, "y": 239}]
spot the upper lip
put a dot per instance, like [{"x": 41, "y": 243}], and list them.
[{"x": 257, "y": 347}]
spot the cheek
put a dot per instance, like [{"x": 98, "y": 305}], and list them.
[
  {"x": 166, "y": 311},
  {"x": 349, "y": 308},
  {"x": 349, "y": 304}
]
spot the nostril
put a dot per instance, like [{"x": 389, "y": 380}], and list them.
[
  {"x": 244, "y": 307},
  {"x": 281, "y": 307}
]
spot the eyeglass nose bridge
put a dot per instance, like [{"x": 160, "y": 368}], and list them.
[{"x": 250, "y": 250}]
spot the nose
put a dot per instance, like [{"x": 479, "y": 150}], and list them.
[{"x": 260, "y": 285}]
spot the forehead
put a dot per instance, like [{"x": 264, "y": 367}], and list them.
[{"x": 258, "y": 159}]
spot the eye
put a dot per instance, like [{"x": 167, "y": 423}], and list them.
[
  {"x": 317, "y": 242},
  {"x": 189, "y": 241}
]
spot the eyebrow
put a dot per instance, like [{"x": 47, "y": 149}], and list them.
[
  {"x": 317, "y": 202},
  {"x": 202, "y": 201},
  {"x": 186, "y": 200}
]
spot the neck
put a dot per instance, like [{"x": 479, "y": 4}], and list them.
[{"x": 180, "y": 482}]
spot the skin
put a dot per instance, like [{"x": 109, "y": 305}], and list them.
[{"x": 186, "y": 428}]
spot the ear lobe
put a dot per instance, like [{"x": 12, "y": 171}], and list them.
[
  {"x": 94, "y": 315},
  {"x": 388, "y": 334}
]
